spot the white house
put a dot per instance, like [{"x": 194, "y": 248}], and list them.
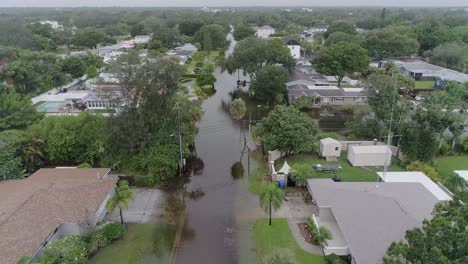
[
  {"x": 330, "y": 147},
  {"x": 264, "y": 31},
  {"x": 293, "y": 46},
  {"x": 377, "y": 155},
  {"x": 142, "y": 39},
  {"x": 53, "y": 24}
]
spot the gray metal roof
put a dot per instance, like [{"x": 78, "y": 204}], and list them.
[{"x": 372, "y": 215}]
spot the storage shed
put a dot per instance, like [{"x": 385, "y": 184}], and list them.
[
  {"x": 360, "y": 156},
  {"x": 330, "y": 147}
]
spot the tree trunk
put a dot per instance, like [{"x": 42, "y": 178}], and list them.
[
  {"x": 121, "y": 216},
  {"x": 339, "y": 79},
  {"x": 270, "y": 213}
]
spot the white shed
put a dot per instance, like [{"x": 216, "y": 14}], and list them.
[
  {"x": 330, "y": 147},
  {"x": 375, "y": 155}
]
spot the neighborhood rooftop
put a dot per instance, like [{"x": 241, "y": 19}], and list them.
[
  {"x": 370, "y": 215},
  {"x": 31, "y": 208}
]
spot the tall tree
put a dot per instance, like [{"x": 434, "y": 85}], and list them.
[
  {"x": 389, "y": 43},
  {"x": 16, "y": 111},
  {"x": 242, "y": 31},
  {"x": 288, "y": 130},
  {"x": 450, "y": 55},
  {"x": 340, "y": 26},
  {"x": 122, "y": 195},
  {"x": 269, "y": 84},
  {"x": 211, "y": 37},
  {"x": 342, "y": 58},
  {"x": 271, "y": 198}
]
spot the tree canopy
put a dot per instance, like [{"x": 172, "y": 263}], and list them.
[
  {"x": 211, "y": 37},
  {"x": 289, "y": 130},
  {"x": 342, "y": 58},
  {"x": 270, "y": 84}
]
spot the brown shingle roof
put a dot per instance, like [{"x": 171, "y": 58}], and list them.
[{"x": 31, "y": 208}]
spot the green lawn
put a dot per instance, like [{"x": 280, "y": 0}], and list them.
[
  {"x": 446, "y": 165},
  {"x": 278, "y": 238},
  {"x": 142, "y": 243},
  {"x": 347, "y": 173},
  {"x": 424, "y": 84}
]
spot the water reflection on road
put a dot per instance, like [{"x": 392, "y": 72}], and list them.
[{"x": 211, "y": 230}]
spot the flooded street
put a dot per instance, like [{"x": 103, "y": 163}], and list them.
[{"x": 211, "y": 232}]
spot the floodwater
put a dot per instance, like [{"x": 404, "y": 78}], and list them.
[{"x": 212, "y": 232}]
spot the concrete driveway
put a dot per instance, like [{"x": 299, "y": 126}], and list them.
[{"x": 149, "y": 206}]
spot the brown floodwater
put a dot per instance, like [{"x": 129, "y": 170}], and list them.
[{"x": 211, "y": 232}]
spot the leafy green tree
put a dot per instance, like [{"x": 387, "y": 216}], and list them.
[
  {"x": 16, "y": 111},
  {"x": 205, "y": 78},
  {"x": 11, "y": 159},
  {"x": 441, "y": 239},
  {"x": 450, "y": 55},
  {"x": 190, "y": 27},
  {"x": 430, "y": 171},
  {"x": 432, "y": 33},
  {"x": 342, "y": 58},
  {"x": 389, "y": 43},
  {"x": 92, "y": 72},
  {"x": 278, "y": 53},
  {"x": 270, "y": 83},
  {"x": 456, "y": 183},
  {"x": 300, "y": 173},
  {"x": 304, "y": 102},
  {"x": 238, "y": 108},
  {"x": 341, "y": 37},
  {"x": 137, "y": 29},
  {"x": 289, "y": 130},
  {"x": 211, "y": 37},
  {"x": 167, "y": 35},
  {"x": 242, "y": 31},
  {"x": 271, "y": 198},
  {"x": 249, "y": 55},
  {"x": 90, "y": 37},
  {"x": 341, "y": 26},
  {"x": 74, "y": 66},
  {"x": 122, "y": 195}
]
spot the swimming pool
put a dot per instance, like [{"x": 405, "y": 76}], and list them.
[{"x": 50, "y": 106}]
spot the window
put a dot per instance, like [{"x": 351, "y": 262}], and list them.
[{"x": 337, "y": 148}]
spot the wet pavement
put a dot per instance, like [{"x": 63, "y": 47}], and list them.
[{"x": 211, "y": 231}]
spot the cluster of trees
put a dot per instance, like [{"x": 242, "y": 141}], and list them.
[
  {"x": 31, "y": 72},
  {"x": 139, "y": 140},
  {"x": 266, "y": 62}
]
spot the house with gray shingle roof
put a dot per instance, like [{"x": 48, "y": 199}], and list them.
[{"x": 366, "y": 217}]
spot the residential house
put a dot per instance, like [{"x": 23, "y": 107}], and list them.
[
  {"x": 315, "y": 30},
  {"x": 183, "y": 53},
  {"x": 364, "y": 218},
  {"x": 264, "y": 31},
  {"x": 142, "y": 39},
  {"x": 53, "y": 24},
  {"x": 293, "y": 46},
  {"x": 420, "y": 70},
  {"x": 48, "y": 205}
]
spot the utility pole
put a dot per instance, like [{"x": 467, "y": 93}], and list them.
[
  {"x": 250, "y": 121},
  {"x": 390, "y": 133},
  {"x": 180, "y": 142}
]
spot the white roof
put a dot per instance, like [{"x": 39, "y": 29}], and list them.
[
  {"x": 416, "y": 176},
  {"x": 462, "y": 173},
  {"x": 64, "y": 96},
  {"x": 285, "y": 169},
  {"x": 370, "y": 149},
  {"x": 329, "y": 140},
  {"x": 353, "y": 89}
]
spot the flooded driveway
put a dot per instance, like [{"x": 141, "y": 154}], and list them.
[{"x": 211, "y": 230}]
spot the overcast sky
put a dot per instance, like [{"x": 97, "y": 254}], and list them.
[{"x": 75, "y": 3}]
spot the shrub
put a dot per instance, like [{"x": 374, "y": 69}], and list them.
[
  {"x": 465, "y": 144},
  {"x": 113, "y": 231},
  {"x": 145, "y": 181},
  {"x": 69, "y": 250},
  {"x": 97, "y": 240},
  {"x": 199, "y": 64},
  {"x": 444, "y": 148},
  {"x": 84, "y": 165},
  {"x": 23, "y": 260},
  {"x": 424, "y": 167},
  {"x": 313, "y": 231},
  {"x": 329, "y": 135},
  {"x": 334, "y": 259}
]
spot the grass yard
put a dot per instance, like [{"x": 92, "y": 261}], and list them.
[
  {"x": 142, "y": 243},
  {"x": 446, "y": 165},
  {"x": 424, "y": 84},
  {"x": 278, "y": 238},
  {"x": 347, "y": 173}
]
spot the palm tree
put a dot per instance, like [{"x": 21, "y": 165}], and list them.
[
  {"x": 271, "y": 197},
  {"x": 323, "y": 235},
  {"x": 123, "y": 194},
  {"x": 238, "y": 109}
]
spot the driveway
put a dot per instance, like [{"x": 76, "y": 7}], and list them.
[{"x": 149, "y": 206}]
